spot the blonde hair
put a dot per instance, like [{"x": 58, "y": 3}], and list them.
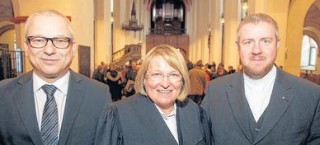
[
  {"x": 48, "y": 13},
  {"x": 174, "y": 58},
  {"x": 258, "y": 18}
]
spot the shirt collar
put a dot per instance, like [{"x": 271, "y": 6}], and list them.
[
  {"x": 61, "y": 84},
  {"x": 171, "y": 114}
]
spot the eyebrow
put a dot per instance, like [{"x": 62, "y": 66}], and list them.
[
  {"x": 259, "y": 39},
  {"x": 57, "y": 35},
  {"x": 159, "y": 71}
]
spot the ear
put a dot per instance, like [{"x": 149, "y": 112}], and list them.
[
  {"x": 25, "y": 48},
  {"x": 74, "y": 47},
  {"x": 238, "y": 45},
  {"x": 278, "y": 43}
]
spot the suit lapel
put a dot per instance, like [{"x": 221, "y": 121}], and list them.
[
  {"x": 186, "y": 122},
  {"x": 279, "y": 102},
  {"x": 72, "y": 106},
  {"x": 158, "y": 124},
  {"x": 238, "y": 102},
  {"x": 24, "y": 98}
]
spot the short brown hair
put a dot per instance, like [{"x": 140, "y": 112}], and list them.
[
  {"x": 257, "y": 18},
  {"x": 174, "y": 58}
]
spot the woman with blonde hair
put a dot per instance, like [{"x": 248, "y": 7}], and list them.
[{"x": 160, "y": 112}]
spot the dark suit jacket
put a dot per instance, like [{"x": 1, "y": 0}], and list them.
[
  {"x": 136, "y": 121},
  {"x": 18, "y": 122},
  {"x": 291, "y": 118}
]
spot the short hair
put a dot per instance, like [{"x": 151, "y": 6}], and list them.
[
  {"x": 199, "y": 63},
  {"x": 221, "y": 64},
  {"x": 174, "y": 58},
  {"x": 257, "y": 18},
  {"x": 48, "y": 13}
]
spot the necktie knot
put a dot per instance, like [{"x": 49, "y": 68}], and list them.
[{"x": 49, "y": 90}]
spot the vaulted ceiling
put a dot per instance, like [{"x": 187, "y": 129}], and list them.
[
  {"x": 312, "y": 22},
  {"x": 6, "y": 10},
  {"x": 312, "y": 19},
  {"x": 6, "y": 14}
]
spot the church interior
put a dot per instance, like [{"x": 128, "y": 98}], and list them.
[{"x": 124, "y": 30}]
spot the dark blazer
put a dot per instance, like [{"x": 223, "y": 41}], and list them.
[
  {"x": 18, "y": 122},
  {"x": 291, "y": 118},
  {"x": 136, "y": 121}
]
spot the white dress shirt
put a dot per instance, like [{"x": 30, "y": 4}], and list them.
[
  {"x": 258, "y": 92},
  {"x": 60, "y": 96},
  {"x": 171, "y": 121}
]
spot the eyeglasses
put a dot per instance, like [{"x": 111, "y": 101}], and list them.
[
  {"x": 40, "y": 42},
  {"x": 250, "y": 43},
  {"x": 158, "y": 77}
]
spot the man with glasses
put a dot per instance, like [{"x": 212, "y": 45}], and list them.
[
  {"x": 51, "y": 104},
  {"x": 262, "y": 104}
]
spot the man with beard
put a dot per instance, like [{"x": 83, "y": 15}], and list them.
[{"x": 262, "y": 105}]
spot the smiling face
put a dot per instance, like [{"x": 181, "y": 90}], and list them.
[
  {"x": 161, "y": 83},
  {"x": 49, "y": 63},
  {"x": 257, "y": 46}
]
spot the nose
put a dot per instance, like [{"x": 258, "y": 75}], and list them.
[
  {"x": 165, "y": 82},
  {"x": 49, "y": 49},
  {"x": 256, "y": 48}
]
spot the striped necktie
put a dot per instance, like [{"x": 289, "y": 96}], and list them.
[{"x": 49, "y": 124}]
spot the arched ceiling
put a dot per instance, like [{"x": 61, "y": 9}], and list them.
[
  {"x": 313, "y": 15},
  {"x": 312, "y": 20},
  {"x": 6, "y": 10},
  {"x": 6, "y": 14}
]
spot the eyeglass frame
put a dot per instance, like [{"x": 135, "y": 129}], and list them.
[
  {"x": 69, "y": 40},
  {"x": 161, "y": 77}
]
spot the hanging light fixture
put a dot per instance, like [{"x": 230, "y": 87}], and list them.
[
  {"x": 222, "y": 19},
  {"x": 244, "y": 8},
  {"x": 245, "y": 5},
  {"x": 133, "y": 22}
]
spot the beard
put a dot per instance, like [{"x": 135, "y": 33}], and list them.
[{"x": 257, "y": 72}]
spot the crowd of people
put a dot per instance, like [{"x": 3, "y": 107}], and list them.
[
  {"x": 173, "y": 102},
  {"x": 201, "y": 74},
  {"x": 120, "y": 78}
]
